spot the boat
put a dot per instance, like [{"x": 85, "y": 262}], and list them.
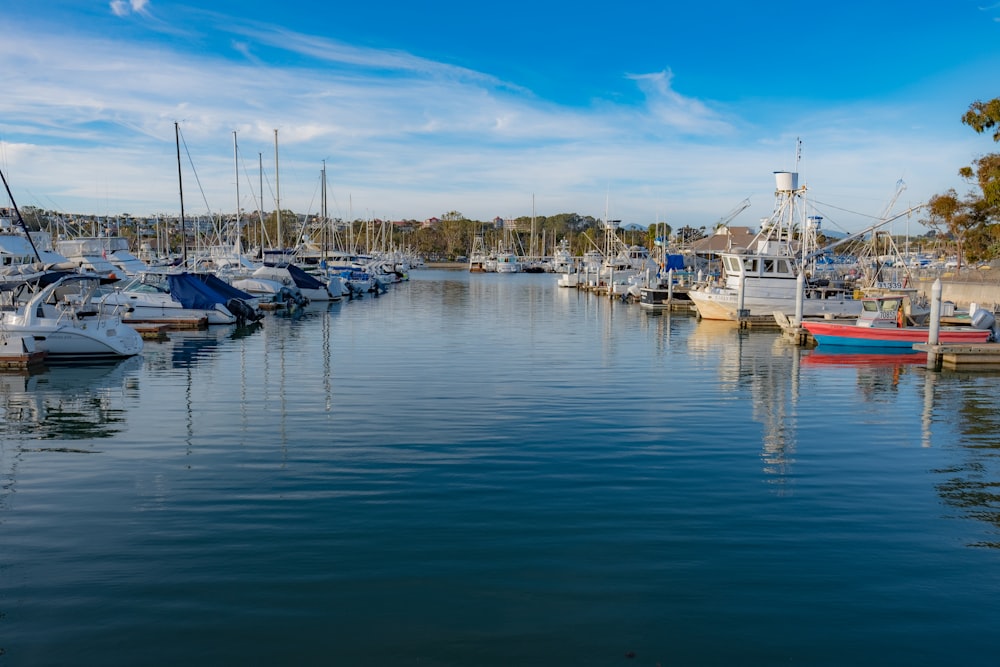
[
  {"x": 179, "y": 299},
  {"x": 883, "y": 324},
  {"x": 291, "y": 275},
  {"x": 478, "y": 255},
  {"x": 90, "y": 254},
  {"x": 59, "y": 312},
  {"x": 507, "y": 262},
  {"x": 762, "y": 279}
]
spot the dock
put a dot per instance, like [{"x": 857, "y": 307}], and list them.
[
  {"x": 960, "y": 357},
  {"x": 761, "y": 322},
  {"x": 20, "y": 353},
  {"x": 151, "y": 331}
]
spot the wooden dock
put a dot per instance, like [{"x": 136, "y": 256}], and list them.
[
  {"x": 151, "y": 331},
  {"x": 761, "y": 322},
  {"x": 20, "y": 353}
]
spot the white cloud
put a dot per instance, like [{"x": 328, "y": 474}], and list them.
[
  {"x": 408, "y": 137},
  {"x": 677, "y": 112},
  {"x": 123, "y": 8}
]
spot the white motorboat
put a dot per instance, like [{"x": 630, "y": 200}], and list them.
[
  {"x": 90, "y": 254},
  {"x": 58, "y": 311},
  {"x": 168, "y": 298}
]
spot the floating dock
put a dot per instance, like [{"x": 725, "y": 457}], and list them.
[
  {"x": 961, "y": 357},
  {"x": 19, "y": 352}
]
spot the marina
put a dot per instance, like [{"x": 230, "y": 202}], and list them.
[{"x": 490, "y": 469}]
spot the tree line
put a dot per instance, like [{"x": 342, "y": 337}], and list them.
[{"x": 972, "y": 220}]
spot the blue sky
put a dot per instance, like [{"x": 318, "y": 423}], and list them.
[{"x": 674, "y": 112}]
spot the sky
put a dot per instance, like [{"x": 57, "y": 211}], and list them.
[{"x": 641, "y": 112}]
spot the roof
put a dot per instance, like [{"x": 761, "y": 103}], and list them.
[{"x": 724, "y": 238}]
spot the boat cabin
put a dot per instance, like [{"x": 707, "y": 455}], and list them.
[{"x": 883, "y": 312}]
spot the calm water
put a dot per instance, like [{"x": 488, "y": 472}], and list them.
[{"x": 489, "y": 470}]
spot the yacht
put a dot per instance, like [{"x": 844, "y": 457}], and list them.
[{"x": 59, "y": 312}]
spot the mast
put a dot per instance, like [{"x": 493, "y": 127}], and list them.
[
  {"x": 20, "y": 220},
  {"x": 532, "y": 244},
  {"x": 180, "y": 186},
  {"x": 260, "y": 203},
  {"x": 326, "y": 219},
  {"x": 236, "y": 166},
  {"x": 277, "y": 193}
]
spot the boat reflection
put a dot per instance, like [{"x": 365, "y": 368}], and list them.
[
  {"x": 187, "y": 349},
  {"x": 877, "y": 372},
  {"x": 67, "y": 402},
  {"x": 763, "y": 367},
  {"x": 848, "y": 356}
]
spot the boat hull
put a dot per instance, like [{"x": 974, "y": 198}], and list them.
[
  {"x": 720, "y": 303},
  {"x": 837, "y": 333}
]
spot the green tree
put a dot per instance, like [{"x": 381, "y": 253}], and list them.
[{"x": 972, "y": 220}]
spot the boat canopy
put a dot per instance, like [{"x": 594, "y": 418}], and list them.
[
  {"x": 302, "y": 279},
  {"x": 675, "y": 262},
  {"x": 193, "y": 293},
  {"x": 222, "y": 287}
]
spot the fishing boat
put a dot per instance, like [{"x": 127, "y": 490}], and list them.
[
  {"x": 762, "y": 278},
  {"x": 883, "y": 323},
  {"x": 59, "y": 312}
]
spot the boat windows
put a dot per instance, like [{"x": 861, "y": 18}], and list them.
[{"x": 890, "y": 305}]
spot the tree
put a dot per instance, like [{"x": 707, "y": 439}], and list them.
[
  {"x": 972, "y": 220},
  {"x": 983, "y": 116}
]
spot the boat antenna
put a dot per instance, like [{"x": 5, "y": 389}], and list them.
[
  {"x": 798, "y": 153},
  {"x": 20, "y": 220}
]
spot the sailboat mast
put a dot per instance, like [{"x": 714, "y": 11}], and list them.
[
  {"x": 326, "y": 219},
  {"x": 20, "y": 220},
  {"x": 533, "y": 253},
  {"x": 277, "y": 193},
  {"x": 236, "y": 167},
  {"x": 180, "y": 186}
]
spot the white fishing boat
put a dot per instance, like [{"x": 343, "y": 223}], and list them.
[
  {"x": 761, "y": 279},
  {"x": 58, "y": 311}
]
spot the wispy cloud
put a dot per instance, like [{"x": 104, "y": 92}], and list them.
[
  {"x": 674, "y": 110},
  {"x": 123, "y": 8},
  {"x": 405, "y": 136}
]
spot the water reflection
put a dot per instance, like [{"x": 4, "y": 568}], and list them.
[
  {"x": 878, "y": 373},
  {"x": 67, "y": 402},
  {"x": 762, "y": 366},
  {"x": 972, "y": 485},
  {"x": 186, "y": 349}
]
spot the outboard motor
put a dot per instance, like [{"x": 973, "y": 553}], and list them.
[
  {"x": 984, "y": 319},
  {"x": 244, "y": 313}
]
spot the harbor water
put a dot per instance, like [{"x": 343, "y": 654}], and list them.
[{"x": 483, "y": 469}]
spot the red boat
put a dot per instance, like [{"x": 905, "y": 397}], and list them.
[{"x": 882, "y": 324}]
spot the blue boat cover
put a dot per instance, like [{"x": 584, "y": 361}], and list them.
[
  {"x": 193, "y": 293},
  {"x": 302, "y": 279},
  {"x": 222, "y": 287},
  {"x": 675, "y": 262}
]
